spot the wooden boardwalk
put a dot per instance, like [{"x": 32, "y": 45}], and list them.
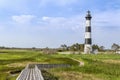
[{"x": 31, "y": 72}]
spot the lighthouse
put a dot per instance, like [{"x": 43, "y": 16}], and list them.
[{"x": 88, "y": 39}]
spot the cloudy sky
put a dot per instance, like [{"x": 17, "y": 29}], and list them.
[{"x": 50, "y": 23}]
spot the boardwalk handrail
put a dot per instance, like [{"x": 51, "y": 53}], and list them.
[{"x": 43, "y": 66}]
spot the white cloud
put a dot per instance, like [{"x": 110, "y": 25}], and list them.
[
  {"x": 53, "y": 19},
  {"x": 72, "y": 23},
  {"x": 45, "y": 18},
  {"x": 23, "y": 19},
  {"x": 107, "y": 19}
]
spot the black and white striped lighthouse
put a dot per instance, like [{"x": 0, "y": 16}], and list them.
[{"x": 88, "y": 39}]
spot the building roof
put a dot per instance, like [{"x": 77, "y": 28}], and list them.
[{"x": 88, "y": 15}]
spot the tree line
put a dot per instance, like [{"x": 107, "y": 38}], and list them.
[
  {"x": 80, "y": 47},
  {"x": 74, "y": 47}
]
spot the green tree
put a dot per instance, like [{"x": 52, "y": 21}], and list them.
[
  {"x": 77, "y": 47},
  {"x": 64, "y": 47},
  {"x": 95, "y": 46},
  {"x": 115, "y": 46}
]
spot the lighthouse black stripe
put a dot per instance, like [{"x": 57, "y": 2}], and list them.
[
  {"x": 88, "y": 18},
  {"x": 88, "y": 41},
  {"x": 88, "y": 29}
]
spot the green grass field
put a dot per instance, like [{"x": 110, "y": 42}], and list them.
[{"x": 97, "y": 67}]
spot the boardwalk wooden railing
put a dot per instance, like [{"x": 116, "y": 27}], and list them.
[{"x": 43, "y": 66}]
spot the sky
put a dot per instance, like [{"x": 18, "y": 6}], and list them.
[{"x": 50, "y": 23}]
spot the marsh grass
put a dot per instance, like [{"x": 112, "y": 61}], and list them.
[
  {"x": 95, "y": 68},
  {"x": 11, "y": 60},
  {"x": 95, "y": 65}
]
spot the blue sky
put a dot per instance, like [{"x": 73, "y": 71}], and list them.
[{"x": 50, "y": 23}]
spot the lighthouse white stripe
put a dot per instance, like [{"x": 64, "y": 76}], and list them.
[
  {"x": 87, "y": 35},
  {"x": 87, "y": 48},
  {"x": 88, "y": 23}
]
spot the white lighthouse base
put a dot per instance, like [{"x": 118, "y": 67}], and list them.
[{"x": 87, "y": 49}]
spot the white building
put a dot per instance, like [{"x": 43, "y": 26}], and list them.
[{"x": 118, "y": 51}]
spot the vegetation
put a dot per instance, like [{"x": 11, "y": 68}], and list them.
[
  {"x": 115, "y": 46},
  {"x": 15, "y": 60},
  {"x": 79, "y": 48},
  {"x": 48, "y": 76},
  {"x": 97, "y": 67}
]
